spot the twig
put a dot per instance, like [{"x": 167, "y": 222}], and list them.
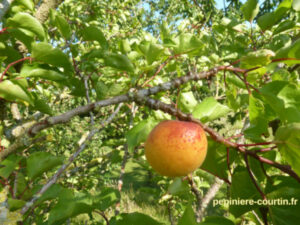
[
  {"x": 103, "y": 215},
  {"x": 13, "y": 63},
  {"x": 197, "y": 194},
  {"x": 60, "y": 171},
  {"x": 211, "y": 193},
  {"x": 253, "y": 178}
]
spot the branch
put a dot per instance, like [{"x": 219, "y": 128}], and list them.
[
  {"x": 211, "y": 193},
  {"x": 23, "y": 140},
  {"x": 60, "y": 171},
  {"x": 155, "y": 104}
]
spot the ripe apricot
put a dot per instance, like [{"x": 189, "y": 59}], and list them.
[{"x": 176, "y": 148}]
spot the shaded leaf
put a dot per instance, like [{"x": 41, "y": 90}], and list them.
[
  {"x": 92, "y": 33},
  {"x": 188, "y": 217},
  {"x": 45, "y": 53},
  {"x": 40, "y": 162},
  {"x": 118, "y": 61},
  {"x": 10, "y": 163},
  {"x": 133, "y": 219},
  {"x": 289, "y": 144}
]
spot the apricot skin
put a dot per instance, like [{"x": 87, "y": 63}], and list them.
[{"x": 176, "y": 148}]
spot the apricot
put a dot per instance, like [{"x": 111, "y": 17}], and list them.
[{"x": 176, "y": 148}]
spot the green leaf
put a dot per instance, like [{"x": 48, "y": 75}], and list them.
[
  {"x": 154, "y": 51},
  {"x": 266, "y": 21},
  {"x": 44, "y": 74},
  {"x": 178, "y": 187},
  {"x": 63, "y": 26},
  {"x": 139, "y": 133},
  {"x": 45, "y": 53},
  {"x": 250, "y": 9},
  {"x": 186, "y": 43},
  {"x": 53, "y": 192},
  {"x": 42, "y": 106},
  {"x": 133, "y": 219},
  {"x": 285, "y": 214},
  {"x": 40, "y": 162},
  {"x": 284, "y": 25},
  {"x": 257, "y": 58},
  {"x": 92, "y": 33},
  {"x": 10, "y": 163},
  {"x": 292, "y": 51},
  {"x": 188, "y": 217},
  {"x": 283, "y": 98},
  {"x": 296, "y": 5},
  {"x": 27, "y": 3},
  {"x": 10, "y": 90},
  {"x": 216, "y": 159},
  {"x": 106, "y": 198},
  {"x": 242, "y": 187},
  {"x": 70, "y": 207},
  {"x": 187, "y": 101},
  {"x": 216, "y": 220},
  {"x": 117, "y": 61},
  {"x": 210, "y": 109},
  {"x": 28, "y": 22},
  {"x": 289, "y": 144},
  {"x": 15, "y": 204}
]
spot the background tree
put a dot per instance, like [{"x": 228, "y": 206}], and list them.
[{"x": 84, "y": 82}]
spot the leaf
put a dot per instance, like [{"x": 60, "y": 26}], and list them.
[
  {"x": 283, "y": 98},
  {"x": 53, "y": 56},
  {"x": 53, "y": 192},
  {"x": 296, "y": 5},
  {"x": 133, "y": 219},
  {"x": 27, "y": 3},
  {"x": 268, "y": 20},
  {"x": 44, "y": 74},
  {"x": 63, "y": 26},
  {"x": 107, "y": 198},
  {"x": 187, "y": 101},
  {"x": 186, "y": 43},
  {"x": 210, "y": 109},
  {"x": 178, "y": 187},
  {"x": 216, "y": 220},
  {"x": 92, "y": 33},
  {"x": 285, "y": 214},
  {"x": 28, "y": 22},
  {"x": 216, "y": 159},
  {"x": 188, "y": 217},
  {"x": 42, "y": 106},
  {"x": 70, "y": 207},
  {"x": 40, "y": 162},
  {"x": 15, "y": 204},
  {"x": 242, "y": 187},
  {"x": 139, "y": 133},
  {"x": 11, "y": 91},
  {"x": 284, "y": 25},
  {"x": 10, "y": 163},
  {"x": 250, "y": 9},
  {"x": 118, "y": 61},
  {"x": 289, "y": 144},
  {"x": 154, "y": 51},
  {"x": 257, "y": 58}
]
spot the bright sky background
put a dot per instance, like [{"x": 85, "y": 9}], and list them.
[{"x": 220, "y": 3}]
